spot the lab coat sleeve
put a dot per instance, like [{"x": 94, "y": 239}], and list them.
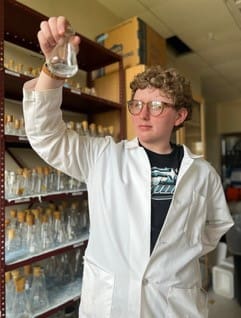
[
  {"x": 218, "y": 220},
  {"x": 48, "y": 135}
]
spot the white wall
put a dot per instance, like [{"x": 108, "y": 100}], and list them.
[{"x": 229, "y": 117}]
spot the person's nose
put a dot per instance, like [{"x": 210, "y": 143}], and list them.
[{"x": 145, "y": 112}]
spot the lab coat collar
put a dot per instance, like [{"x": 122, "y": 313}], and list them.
[{"x": 130, "y": 144}]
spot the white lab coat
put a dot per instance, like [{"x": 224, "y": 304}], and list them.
[{"x": 121, "y": 279}]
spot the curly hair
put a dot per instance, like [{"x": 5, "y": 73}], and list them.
[{"x": 169, "y": 81}]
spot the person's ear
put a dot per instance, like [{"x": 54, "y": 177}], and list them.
[{"x": 181, "y": 116}]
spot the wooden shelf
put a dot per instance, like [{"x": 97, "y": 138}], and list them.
[
  {"x": 19, "y": 25},
  {"x": 72, "y": 100},
  {"x": 46, "y": 254},
  {"x": 91, "y": 55}
]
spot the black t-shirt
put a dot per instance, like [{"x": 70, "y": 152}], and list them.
[{"x": 164, "y": 171}]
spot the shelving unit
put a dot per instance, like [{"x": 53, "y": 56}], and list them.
[
  {"x": 19, "y": 25},
  {"x": 231, "y": 159},
  {"x": 193, "y": 132}
]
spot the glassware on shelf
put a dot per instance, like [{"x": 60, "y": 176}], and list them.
[
  {"x": 85, "y": 127},
  {"x": 12, "y": 243},
  {"x": 38, "y": 293},
  {"x": 84, "y": 215},
  {"x": 93, "y": 130},
  {"x": 70, "y": 125},
  {"x": 70, "y": 228},
  {"x": 75, "y": 213},
  {"x": 64, "y": 269},
  {"x": 79, "y": 128},
  {"x": 26, "y": 182},
  {"x": 62, "y": 61},
  {"x": 46, "y": 233},
  {"x": 32, "y": 239},
  {"x": 37, "y": 181},
  {"x": 21, "y": 305},
  {"x": 10, "y": 183},
  {"x": 10, "y": 291},
  {"x": 13, "y": 218},
  {"x": 21, "y": 228},
  {"x": 77, "y": 261},
  {"x": 14, "y": 125},
  {"x": 9, "y": 125},
  {"x": 100, "y": 131},
  {"x": 28, "y": 275},
  {"x": 61, "y": 181},
  {"x": 40, "y": 181},
  {"x": 59, "y": 229}
]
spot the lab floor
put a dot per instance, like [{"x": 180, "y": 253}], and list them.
[{"x": 221, "y": 307}]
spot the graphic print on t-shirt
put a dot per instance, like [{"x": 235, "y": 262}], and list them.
[{"x": 163, "y": 183}]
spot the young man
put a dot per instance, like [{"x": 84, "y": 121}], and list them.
[{"x": 155, "y": 207}]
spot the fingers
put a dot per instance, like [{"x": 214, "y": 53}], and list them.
[{"x": 50, "y": 32}]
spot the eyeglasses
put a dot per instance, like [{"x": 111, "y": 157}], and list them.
[{"x": 155, "y": 107}]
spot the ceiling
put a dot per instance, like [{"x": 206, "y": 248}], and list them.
[{"x": 210, "y": 28}]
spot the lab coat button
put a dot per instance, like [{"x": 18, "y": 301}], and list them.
[{"x": 145, "y": 281}]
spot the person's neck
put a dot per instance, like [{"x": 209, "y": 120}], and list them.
[{"x": 161, "y": 149}]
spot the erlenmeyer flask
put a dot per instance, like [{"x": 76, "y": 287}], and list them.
[
  {"x": 38, "y": 292},
  {"x": 62, "y": 61}
]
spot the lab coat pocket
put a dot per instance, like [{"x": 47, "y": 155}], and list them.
[
  {"x": 196, "y": 219},
  {"x": 187, "y": 303},
  {"x": 97, "y": 291}
]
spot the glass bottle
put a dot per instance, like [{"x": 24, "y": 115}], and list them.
[
  {"x": 60, "y": 182},
  {"x": 85, "y": 127},
  {"x": 46, "y": 235},
  {"x": 75, "y": 214},
  {"x": 51, "y": 180},
  {"x": 21, "y": 228},
  {"x": 62, "y": 61},
  {"x": 39, "y": 180},
  {"x": 45, "y": 184},
  {"x": 16, "y": 127},
  {"x": 84, "y": 215},
  {"x": 13, "y": 218},
  {"x": 78, "y": 262},
  {"x": 19, "y": 183},
  {"x": 21, "y": 306},
  {"x": 59, "y": 230},
  {"x": 92, "y": 130},
  {"x": 79, "y": 128},
  {"x": 32, "y": 234},
  {"x": 22, "y": 131},
  {"x": 28, "y": 275},
  {"x": 34, "y": 181},
  {"x": 12, "y": 241},
  {"x": 9, "y": 126},
  {"x": 26, "y": 181},
  {"x": 9, "y": 289},
  {"x": 38, "y": 293},
  {"x": 70, "y": 228},
  {"x": 111, "y": 131},
  {"x": 100, "y": 131},
  {"x": 10, "y": 184}
]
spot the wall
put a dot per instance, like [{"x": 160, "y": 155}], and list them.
[
  {"x": 229, "y": 117},
  {"x": 86, "y": 17},
  {"x": 212, "y": 137}
]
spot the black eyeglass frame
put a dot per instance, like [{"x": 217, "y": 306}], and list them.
[{"x": 161, "y": 106}]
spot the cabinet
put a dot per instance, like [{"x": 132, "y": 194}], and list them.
[
  {"x": 193, "y": 132},
  {"x": 19, "y": 25},
  {"x": 231, "y": 163}
]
